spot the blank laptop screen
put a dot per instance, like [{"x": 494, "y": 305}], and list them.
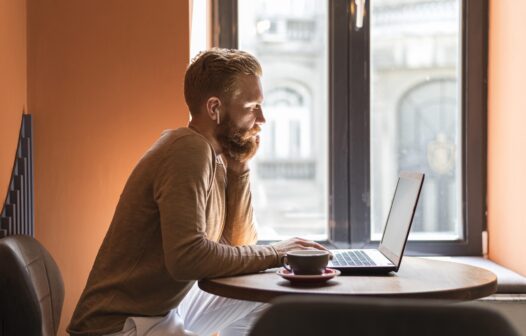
[{"x": 399, "y": 219}]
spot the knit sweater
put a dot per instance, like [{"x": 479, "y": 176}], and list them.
[{"x": 181, "y": 217}]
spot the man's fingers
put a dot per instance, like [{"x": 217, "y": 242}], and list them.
[
  {"x": 301, "y": 239},
  {"x": 312, "y": 245},
  {"x": 298, "y": 243},
  {"x": 320, "y": 246}
]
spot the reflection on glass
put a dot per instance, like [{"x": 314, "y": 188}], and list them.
[
  {"x": 416, "y": 115},
  {"x": 289, "y": 173}
]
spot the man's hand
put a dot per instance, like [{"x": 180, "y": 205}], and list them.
[{"x": 296, "y": 244}]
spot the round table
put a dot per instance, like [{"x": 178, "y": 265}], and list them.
[{"x": 416, "y": 278}]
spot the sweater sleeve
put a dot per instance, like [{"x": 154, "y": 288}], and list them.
[
  {"x": 180, "y": 189},
  {"x": 239, "y": 225}
]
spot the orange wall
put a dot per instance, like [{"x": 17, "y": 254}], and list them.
[
  {"x": 13, "y": 84},
  {"x": 105, "y": 78},
  {"x": 507, "y": 134}
]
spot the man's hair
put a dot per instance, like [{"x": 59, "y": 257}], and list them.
[{"x": 215, "y": 72}]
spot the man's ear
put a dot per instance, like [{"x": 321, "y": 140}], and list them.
[{"x": 213, "y": 105}]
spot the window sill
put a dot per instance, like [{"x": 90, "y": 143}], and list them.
[{"x": 508, "y": 281}]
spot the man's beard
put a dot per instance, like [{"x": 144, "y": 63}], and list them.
[{"x": 238, "y": 144}]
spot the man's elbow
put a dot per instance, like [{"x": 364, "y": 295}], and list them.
[
  {"x": 190, "y": 263},
  {"x": 183, "y": 269}
]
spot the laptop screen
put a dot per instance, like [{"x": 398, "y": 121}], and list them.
[{"x": 401, "y": 215}]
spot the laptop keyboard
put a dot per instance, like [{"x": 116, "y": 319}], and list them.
[{"x": 352, "y": 258}]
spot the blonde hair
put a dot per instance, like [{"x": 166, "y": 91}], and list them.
[{"x": 215, "y": 72}]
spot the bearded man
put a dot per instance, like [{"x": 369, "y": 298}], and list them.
[{"x": 185, "y": 214}]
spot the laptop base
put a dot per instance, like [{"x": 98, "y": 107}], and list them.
[{"x": 375, "y": 271}]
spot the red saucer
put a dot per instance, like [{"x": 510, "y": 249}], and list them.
[{"x": 327, "y": 274}]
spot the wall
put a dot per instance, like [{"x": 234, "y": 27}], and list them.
[
  {"x": 105, "y": 78},
  {"x": 507, "y": 134},
  {"x": 13, "y": 84}
]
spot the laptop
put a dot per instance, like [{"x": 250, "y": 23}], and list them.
[{"x": 388, "y": 256}]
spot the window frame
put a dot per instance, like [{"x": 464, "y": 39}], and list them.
[{"x": 349, "y": 136}]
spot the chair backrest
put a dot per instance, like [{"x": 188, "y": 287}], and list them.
[
  {"x": 31, "y": 288},
  {"x": 309, "y": 316}
]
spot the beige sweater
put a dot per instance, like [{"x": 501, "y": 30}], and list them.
[{"x": 180, "y": 218}]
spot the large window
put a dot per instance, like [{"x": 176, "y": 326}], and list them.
[
  {"x": 415, "y": 111},
  {"x": 349, "y": 105},
  {"x": 289, "y": 174}
]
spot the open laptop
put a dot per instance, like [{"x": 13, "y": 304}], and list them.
[{"x": 389, "y": 254}]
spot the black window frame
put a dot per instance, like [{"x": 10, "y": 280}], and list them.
[{"x": 349, "y": 136}]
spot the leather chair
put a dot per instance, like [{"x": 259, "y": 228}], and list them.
[
  {"x": 31, "y": 288},
  {"x": 309, "y": 316}
]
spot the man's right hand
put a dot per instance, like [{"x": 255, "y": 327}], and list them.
[{"x": 296, "y": 244}]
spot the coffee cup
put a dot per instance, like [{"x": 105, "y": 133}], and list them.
[{"x": 306, "y": 262}]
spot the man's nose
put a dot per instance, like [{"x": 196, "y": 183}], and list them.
[{"x": 260, "y": 117}]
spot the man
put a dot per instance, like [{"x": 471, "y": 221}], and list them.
[{"x": 185, "y": 214}]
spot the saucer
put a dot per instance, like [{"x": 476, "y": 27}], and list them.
[{"x": 327, "y": 274}]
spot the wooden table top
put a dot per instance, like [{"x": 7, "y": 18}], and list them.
[{"x": 416, "y": 278}]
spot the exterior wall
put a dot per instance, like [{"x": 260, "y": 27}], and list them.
[
  {"x": 13, "y": 83},
  {"x": 506, "y": 134},
  {"x": 105, "y": 79}
]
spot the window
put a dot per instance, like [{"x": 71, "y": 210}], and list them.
[
  {"x": 347, "y": 108},
  {"x": 415, "y": 111},
  {"x": 199, "y": 26},
  {"x": 290, "y": 179}
]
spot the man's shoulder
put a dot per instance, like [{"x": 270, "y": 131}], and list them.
[
  {"x": 182, "y": 147},
  {"x": 183, "y": 140},
  {"x": 172, "y": 135},
  {"x": 181, "y": 150}
]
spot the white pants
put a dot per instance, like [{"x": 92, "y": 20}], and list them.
[{"x": 199, "y": 313}]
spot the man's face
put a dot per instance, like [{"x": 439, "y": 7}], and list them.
[{"x": 238, "y": 132}]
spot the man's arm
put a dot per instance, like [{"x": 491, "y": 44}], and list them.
[
  {"x": 181, "y": 191},
  {"x": 239, "y": 225}
]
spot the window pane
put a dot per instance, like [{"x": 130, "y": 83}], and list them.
[
  {"x": 289, "y": 173},
  {"x": 416, "y": 115},
  {"x": 198, "y": 27}
]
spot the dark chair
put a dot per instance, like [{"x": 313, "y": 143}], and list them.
[
  {"x": 308, "y": 316},
  {"x": 31, "y": 288}
]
